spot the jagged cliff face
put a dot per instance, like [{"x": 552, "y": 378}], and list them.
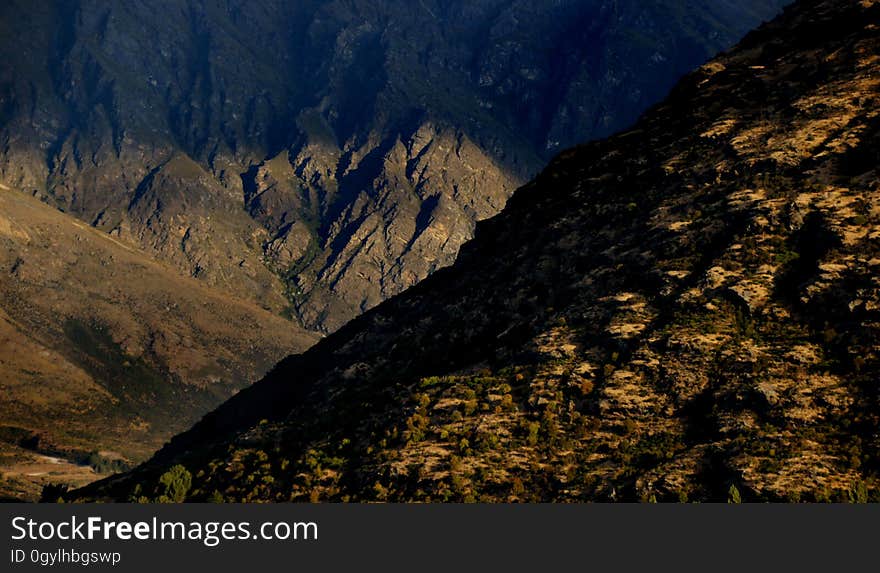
[
  {"x": 689, "y": 305},
  {"x": 317, "y": 157}
]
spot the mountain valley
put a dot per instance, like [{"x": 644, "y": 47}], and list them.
[
  {"x": 685, "y": 311},
  {"x": 191, "y": 190}
]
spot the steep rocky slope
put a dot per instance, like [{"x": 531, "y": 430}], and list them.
[
  {"x": 103, "y": 349},
  {"x": 684, "y": 311},
  {"x": 319, "y": 156}
]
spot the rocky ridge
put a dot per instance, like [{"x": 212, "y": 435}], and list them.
[{"x": 318, "y": 157}]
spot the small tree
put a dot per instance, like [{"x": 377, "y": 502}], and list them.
[
  {"x": 733, "y": 495},
  {"x": 858, "y": 493},
  {"x": 174, "y": 485},
  {"x": 53, "y": 493}
]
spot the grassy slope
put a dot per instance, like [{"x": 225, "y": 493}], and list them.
[{"x": 102, "y": 348}]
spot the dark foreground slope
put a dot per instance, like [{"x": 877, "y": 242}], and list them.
[{"x": 688, "y": 306}]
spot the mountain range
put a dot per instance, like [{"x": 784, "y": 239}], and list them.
[
  {"x": 193, "y": 189},
  {"x": 684, "y": 311},
  {"x": 317, "y": 157}
]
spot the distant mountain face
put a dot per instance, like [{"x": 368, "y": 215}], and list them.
[
  {"x": 685, "y": 311},
  {"x": 316, "y": 157}
]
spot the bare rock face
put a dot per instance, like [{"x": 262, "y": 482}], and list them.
[
  {"x": 182, "y": 214},
  {"x": 686, "y": 311},
  {"x": 318, "y": 157},
  {"x": 399, "y": 209},
  {"x": 349, "y": 229}
]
